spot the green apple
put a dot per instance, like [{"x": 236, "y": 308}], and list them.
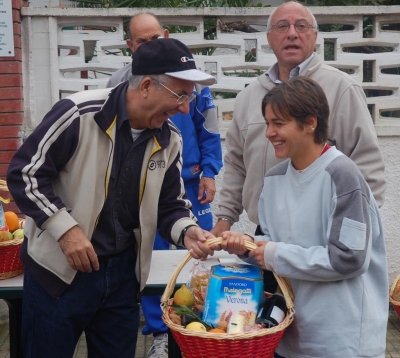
[
  {"x": 10, "y": 235},
  {"x": 18, "y": 234}
]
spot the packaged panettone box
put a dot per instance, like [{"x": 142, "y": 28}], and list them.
[{"x": 233, "y": 290}]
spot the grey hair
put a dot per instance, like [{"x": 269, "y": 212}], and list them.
[
  {"x": 135, "y": 80},
  {"x": 314, "y": 20}
]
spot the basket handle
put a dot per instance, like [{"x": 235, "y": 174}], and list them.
[{"x": 282, "y": 282}]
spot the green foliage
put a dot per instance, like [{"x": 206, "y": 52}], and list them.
[
  {"x": 186, "y": 311},
  {"x": 162, "y": 3},
  {"x": 350, "y": 2},
  {"x": 224, "y": 95},
  {"x": 215, "y": 3},
  {"x": 209, "y": 23}
]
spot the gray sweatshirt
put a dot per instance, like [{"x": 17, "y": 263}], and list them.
[{"x": 325, "y": 235}]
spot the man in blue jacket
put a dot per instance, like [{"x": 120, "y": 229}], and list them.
[{"x": 202, "y": 160}]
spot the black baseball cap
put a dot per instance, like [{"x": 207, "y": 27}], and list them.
[{"x": 170, "y": 57}]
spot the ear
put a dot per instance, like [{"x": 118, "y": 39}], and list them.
[
  {"x": 130, "y": 44},
  {"x": 144, "y": 86},
  {"x": 166, "y": 33},
  {"x": 311, "y": 124}
]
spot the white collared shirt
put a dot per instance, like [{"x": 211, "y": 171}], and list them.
[{"x": 273, "y": 71}]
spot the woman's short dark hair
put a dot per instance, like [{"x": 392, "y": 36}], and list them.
[{"x": 300, "y": 98}]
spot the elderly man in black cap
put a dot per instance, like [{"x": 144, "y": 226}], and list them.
[{"x": 97, "y": 177}]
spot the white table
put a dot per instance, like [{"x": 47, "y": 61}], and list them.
[
  {"x": 12, "y": 283},
  {"x": 164, "y": 262}
]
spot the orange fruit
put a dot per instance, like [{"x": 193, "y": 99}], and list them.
[
  {"x": 216, "y": 330},
  {"x": 11, "y": 220}
]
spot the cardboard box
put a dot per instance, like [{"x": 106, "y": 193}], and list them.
[{"x": 233, "y": 289}]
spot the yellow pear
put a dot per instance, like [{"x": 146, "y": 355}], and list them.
[
  {"x": 4, "y": 236},
  {"x": 184, "y": 296}
]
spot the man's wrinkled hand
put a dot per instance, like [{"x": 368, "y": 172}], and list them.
[
  {"x": 234, "y": 242},
  {"x": 79, "y": 250},
  {"x": 195, "y": 239},
  {"x": 220, "y": 227},
  {"x": 207, "y": 190},
  {"x": 209, "y": 235}
]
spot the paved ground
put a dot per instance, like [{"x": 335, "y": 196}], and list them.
[{"x": 144, "y": 342}]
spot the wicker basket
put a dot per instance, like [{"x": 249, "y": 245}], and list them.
[
  {"x": 10, "y": 263},
  {"x": 257, "y": 344},
  {"x": 395, "y": 304}
]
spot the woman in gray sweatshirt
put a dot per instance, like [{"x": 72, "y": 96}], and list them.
[{"x": 322, "y": 230}]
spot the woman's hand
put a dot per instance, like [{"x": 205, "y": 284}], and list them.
[{"x": 258, "y": 253}]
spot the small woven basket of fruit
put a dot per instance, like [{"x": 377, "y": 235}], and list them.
[
  {"x": 394, "y": 295},
  {"x": 198, "y": 339},
  {"x": 11, "y": 238}
]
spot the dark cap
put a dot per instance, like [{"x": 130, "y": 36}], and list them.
[{"x": 170, "y": 57}]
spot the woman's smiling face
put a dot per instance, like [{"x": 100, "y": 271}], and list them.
[{"x": 288, "y": 137}]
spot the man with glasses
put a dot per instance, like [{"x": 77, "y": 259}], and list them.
[
  {"x": 95, "y": 179},
  {"x": 292, "y": 35},
  {"x": 202, "y": 160},
  {"x": 179, "y": 98}
]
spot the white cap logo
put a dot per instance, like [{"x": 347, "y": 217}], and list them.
[{"x": 186, "y": 59}]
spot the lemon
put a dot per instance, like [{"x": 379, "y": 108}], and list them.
[
  {"x": 184, "y": 297},
  {"x": 196, "y": 326}
]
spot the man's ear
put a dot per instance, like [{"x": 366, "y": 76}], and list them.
[
  {"x": 144, "y": 86},
  {"x": 130, "y": 44},
  {"x": 166, "y": 33}
]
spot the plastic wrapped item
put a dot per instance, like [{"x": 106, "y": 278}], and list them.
[
  {"x": 236, "y": 324},
  {"x": 2, "y": 217},
  {"x": 199, "y": 279},
  {"x": 4, "y": 235}
]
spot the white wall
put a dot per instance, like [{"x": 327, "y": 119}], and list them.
[{"x": 391, "y": 209}]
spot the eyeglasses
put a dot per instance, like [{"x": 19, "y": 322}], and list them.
[
  {"x": 180, "y": 98},
  {"x": 301, "y": 26}
]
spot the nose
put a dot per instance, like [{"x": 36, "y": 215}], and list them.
[
  {"x": 269, "y": 132},
  {"x": 292, "y": 33},
  {"x": 184, "y": 108}
]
